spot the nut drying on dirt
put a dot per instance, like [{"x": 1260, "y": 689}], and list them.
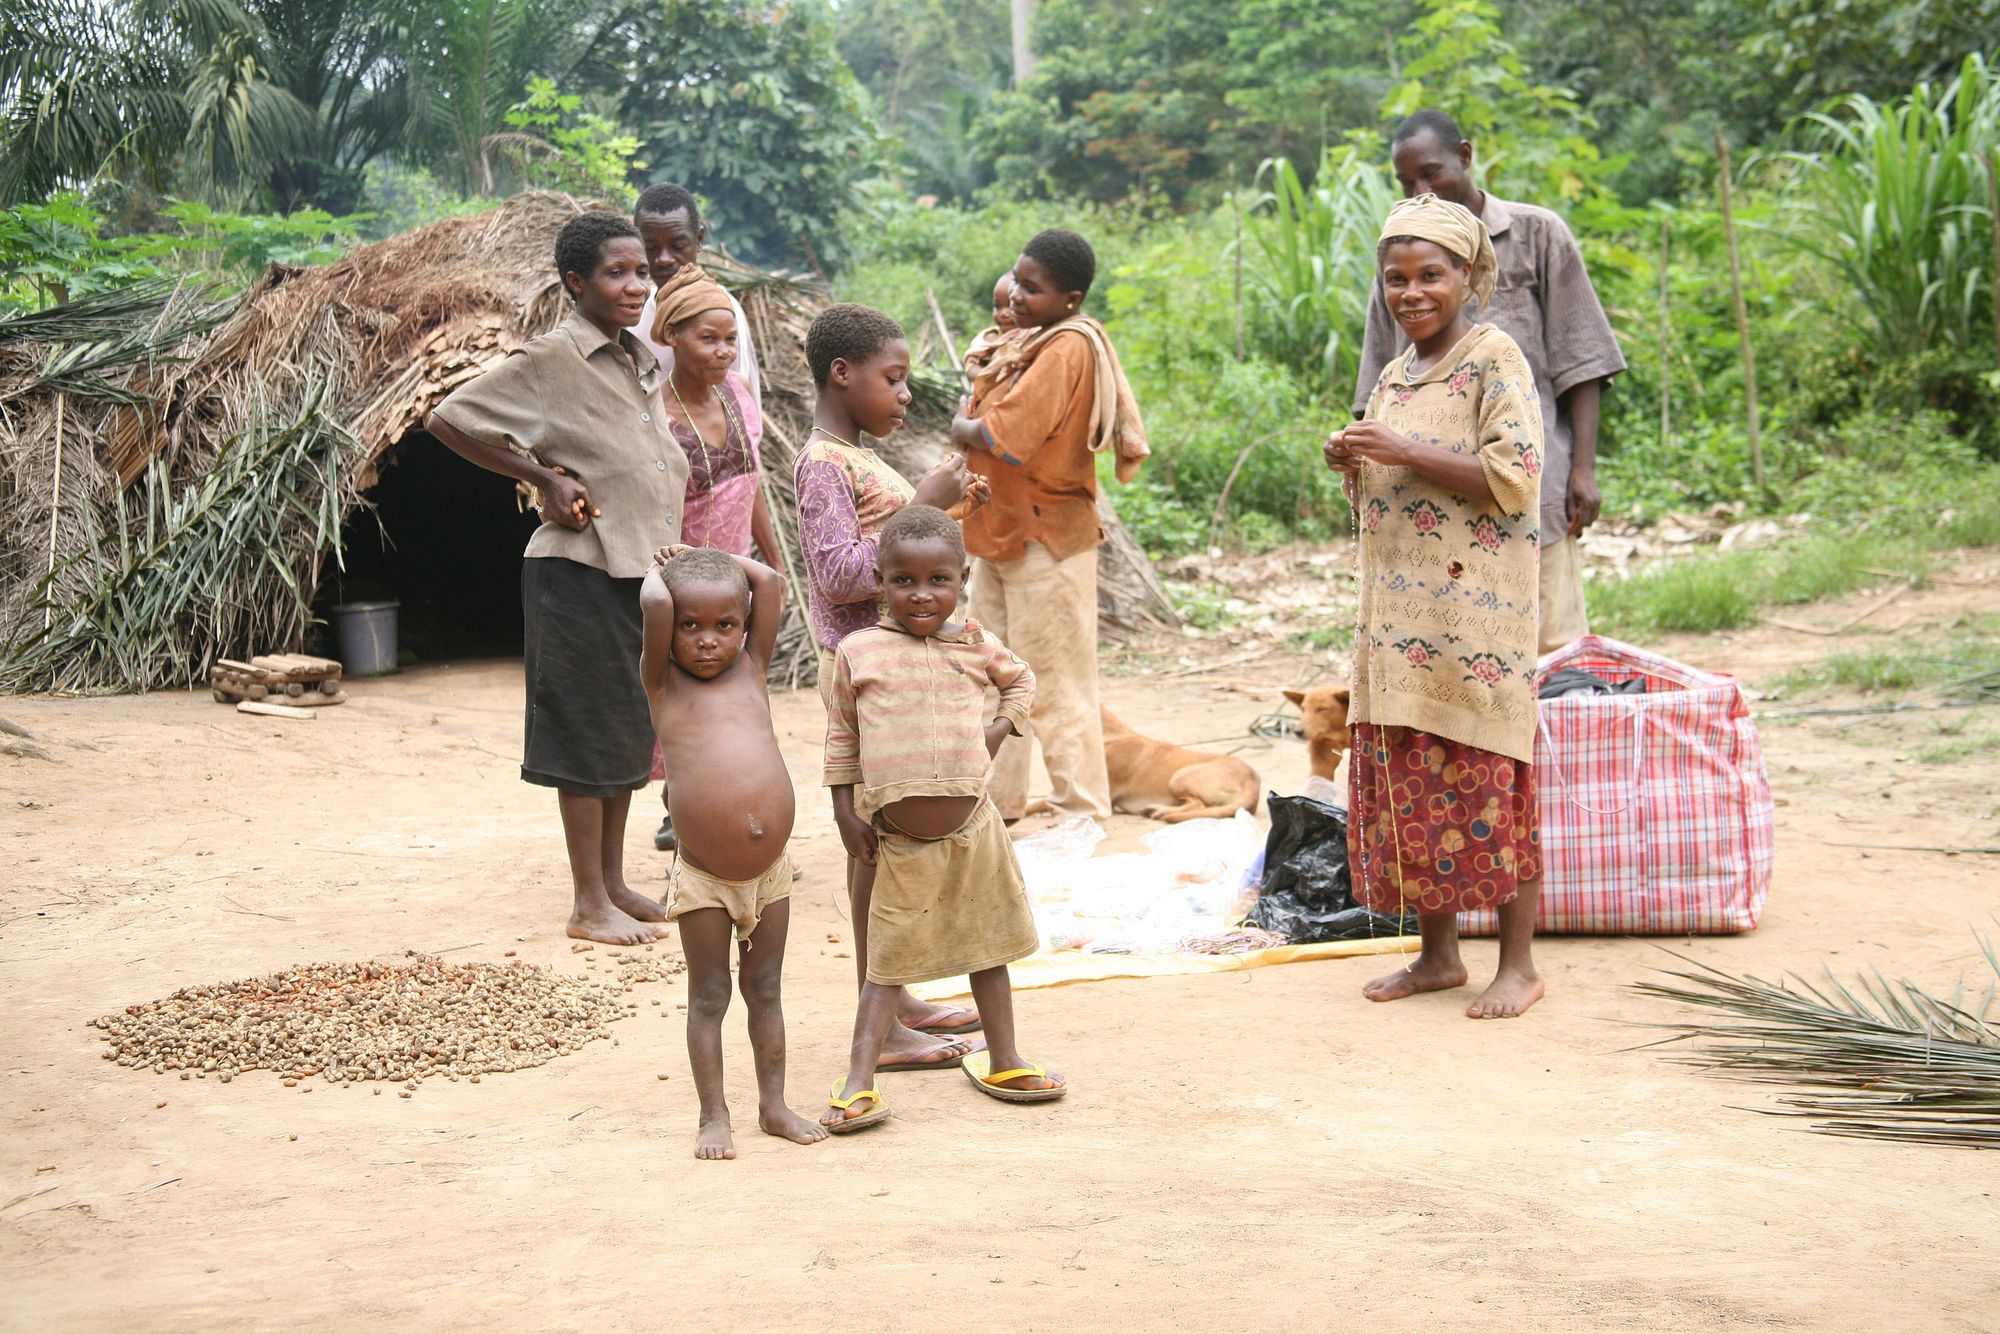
[{"x": 402, "y": 1022}]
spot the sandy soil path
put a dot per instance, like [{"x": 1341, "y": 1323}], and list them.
[{"x": 1240, "y": 1151}]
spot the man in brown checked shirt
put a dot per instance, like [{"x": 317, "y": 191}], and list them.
[{"x": 1545, "y": 303}]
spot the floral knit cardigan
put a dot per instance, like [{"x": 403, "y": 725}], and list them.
[{"x": 1448, "y": 584}]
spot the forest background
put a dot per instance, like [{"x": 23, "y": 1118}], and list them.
[{"x": 1228, "y": 162}]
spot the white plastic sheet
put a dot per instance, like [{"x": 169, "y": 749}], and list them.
[{"x": 1192, "y": 880}]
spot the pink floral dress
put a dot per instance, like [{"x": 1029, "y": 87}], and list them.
[{"x": 722, "y": 474}]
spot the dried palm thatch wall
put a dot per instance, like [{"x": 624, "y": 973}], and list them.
[{"x": 178, "y": 471}]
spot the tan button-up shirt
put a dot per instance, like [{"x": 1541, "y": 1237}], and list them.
[
  {"x": 1543, "y": 300},
  {"x": 577, "y": 400}
]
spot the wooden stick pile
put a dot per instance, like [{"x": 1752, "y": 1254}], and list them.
[{"x": 287, "y": 678}]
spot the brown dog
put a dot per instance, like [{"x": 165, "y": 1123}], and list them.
[
  {"x": 1171, "y": 783},
  {"x": 1325, "y": 710}
]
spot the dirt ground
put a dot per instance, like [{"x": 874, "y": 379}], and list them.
[{"x": 1239, "y": 1151}]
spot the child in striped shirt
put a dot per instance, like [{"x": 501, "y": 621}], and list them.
[{"x": 907, "y": 757}]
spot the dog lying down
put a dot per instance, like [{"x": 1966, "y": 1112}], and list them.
[{"x": 1172, "y": 783}]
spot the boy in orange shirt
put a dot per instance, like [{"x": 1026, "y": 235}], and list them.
[{"x": 1043, "y": 406}]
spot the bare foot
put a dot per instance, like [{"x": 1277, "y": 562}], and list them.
[
  {"x": 1030, "y": 1083},
  {"x": 944, "y": 1019},
  {"x": 713, "y": 1140},
  {"x": 611, "y": 927},
  {"x": 1508, "y": 997},
  {"x": 785, "y": 1123},
  {"x": 906, "y": 1046},
  {"x": 636, "y": 905},
  {"x": 1423, "y": 975}
]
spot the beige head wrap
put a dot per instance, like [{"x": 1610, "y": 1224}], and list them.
[
  {"x": 685, "y": 295},
  {"x": 1452, "y": 226}
]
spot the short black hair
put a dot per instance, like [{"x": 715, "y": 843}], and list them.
[
  {"x": 1429, "y": 122},
  {"x": 582, "y": 239},
  {"x": 919, "y": 523},
  {"x": 1067, "y": 256},
  {"x": 705, "y": 567},
  {"x": 849, "y": 332},
  {"x": 665, "y": 198}
]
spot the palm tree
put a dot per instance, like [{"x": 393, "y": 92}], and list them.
[
  {"x": 152, "y": 87},
  {"x": 272, "y": 96}
]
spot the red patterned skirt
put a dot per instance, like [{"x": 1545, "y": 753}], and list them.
[{"x": 1437, "y": 825}]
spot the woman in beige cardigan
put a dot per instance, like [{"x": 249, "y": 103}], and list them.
[{"x": 1445, "y": 476}]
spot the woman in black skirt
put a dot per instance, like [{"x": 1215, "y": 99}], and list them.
[{"x": 576, "y": 414}]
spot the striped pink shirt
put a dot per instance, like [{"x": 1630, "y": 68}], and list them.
[{"x": 908, "y": 712}]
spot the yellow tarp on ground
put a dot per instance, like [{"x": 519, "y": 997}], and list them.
[{"x": 1071, "y": 966}]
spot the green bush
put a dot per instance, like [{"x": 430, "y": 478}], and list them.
[
  {"x": 58, "y": 251},
  {"x": 1311, "y": 253}
]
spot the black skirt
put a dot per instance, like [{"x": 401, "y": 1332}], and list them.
[{"x": 588, "y": 730}]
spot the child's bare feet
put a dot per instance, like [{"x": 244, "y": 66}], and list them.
[
  {"x": 785, "y": 1123},
  {"x": 636, "y": 905},
  {"x": 1423, "y": 975},
  {"x": 1508, "y": 996},
  {"x": 610, "y": 926},
  {"x": 906, "y": 1046},
  {"x": 713, "y": 1139}
]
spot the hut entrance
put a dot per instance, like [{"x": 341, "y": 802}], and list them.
[{"x": 447, "y": 546}]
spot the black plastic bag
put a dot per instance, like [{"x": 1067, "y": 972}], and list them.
[{"x": 1307, "y": 896}]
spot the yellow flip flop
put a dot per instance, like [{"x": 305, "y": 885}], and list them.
[
  {"x": 875, "y": 1116},
  {"x": 978, "y": 1068}
]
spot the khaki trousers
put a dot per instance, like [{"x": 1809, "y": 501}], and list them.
[
  {"x": 1045, "y": 610},
  {"x": 1564, "y": 619}
]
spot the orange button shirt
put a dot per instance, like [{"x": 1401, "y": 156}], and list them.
[{"x": 1038, "y": 459}]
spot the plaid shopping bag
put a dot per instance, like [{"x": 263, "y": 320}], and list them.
[{"x": 1656, "y": 810}]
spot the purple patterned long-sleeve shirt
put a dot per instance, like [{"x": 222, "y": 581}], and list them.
[{"x": 845, "y": 494}]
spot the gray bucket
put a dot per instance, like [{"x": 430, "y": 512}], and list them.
[{"x": 366, "y": 632}]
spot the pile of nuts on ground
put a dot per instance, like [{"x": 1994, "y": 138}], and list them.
[{"x": 404, "y": 1022}]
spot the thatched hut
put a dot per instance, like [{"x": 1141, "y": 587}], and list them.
[{"x": 191, "y": 480}]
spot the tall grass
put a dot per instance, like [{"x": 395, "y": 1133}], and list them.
[
  {"x": 1701, "y": 594},
  {"x": 1894, "y": 200},
  {"x": 1311, "y": 254}
]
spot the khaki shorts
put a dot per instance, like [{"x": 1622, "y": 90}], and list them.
[
  {"x": 689, "y": 887},
  {"x": 1564, "y": 619}
]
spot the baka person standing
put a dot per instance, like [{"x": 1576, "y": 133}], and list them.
[
  {"x": 669, "y": 223},
  {"x": 576, "y": 413},
  {"x": 711, "y": 625},
  {"x": 1444, "y": 472},
  {"x": 1042, "y": 406},
  {"x": 716, "y": 420},
  {"x": 908, "y": 750},
  {"x": 1543, "y": 300},
  {"x": 847, "y": 493}
]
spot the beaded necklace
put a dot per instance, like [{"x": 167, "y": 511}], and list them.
[{"x": 728, "y": 417}]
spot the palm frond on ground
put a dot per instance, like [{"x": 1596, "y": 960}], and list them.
[
  {"x": 1880, "y": 1059},
  {"x": 195, "y": 566}
]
